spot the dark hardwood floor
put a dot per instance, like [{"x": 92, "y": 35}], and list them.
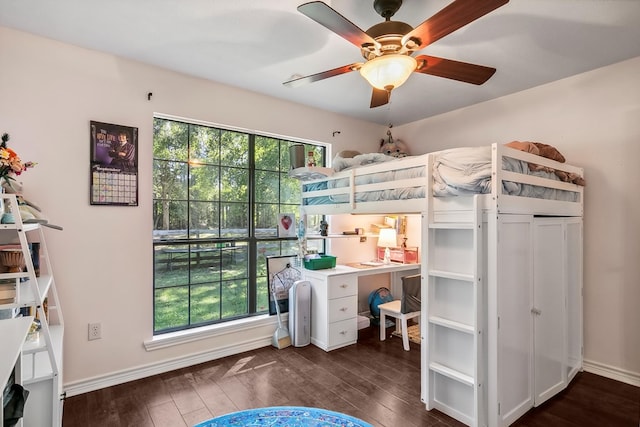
[{"x": 372, "y": 380}]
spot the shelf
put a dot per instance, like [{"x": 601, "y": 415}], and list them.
[
  {"x": 451, "y": 275},
  {"x": 462, "y": 327},
  {"x": 24, "y": 293},
  {"x": 36, "y": 364},
  {"x": 309, "y": 173},
  {"x": 452, "y": 373},
  {"x": 25, "y": 227},
  {"x": 451, "y": 226},
  {"x": 339, "y": 236},
  {"x": 13, "y": 333}
]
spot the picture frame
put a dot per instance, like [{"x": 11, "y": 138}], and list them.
[
  {"x": 391, "y": 221},
  {"x": 286, "y": 225},
  {"x": 282, "y": 273},
  {"x": 113, "y": 164}
]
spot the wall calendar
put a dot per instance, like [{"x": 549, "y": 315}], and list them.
[{"x": 114, "y": 164}]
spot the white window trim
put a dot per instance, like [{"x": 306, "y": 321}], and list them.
[{"x": 172, "y": 339}]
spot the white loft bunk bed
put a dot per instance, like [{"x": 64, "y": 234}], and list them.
[{"x": 502, "y": 320}]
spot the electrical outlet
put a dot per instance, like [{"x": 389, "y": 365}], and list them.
[{"x": 95, "y": 331}]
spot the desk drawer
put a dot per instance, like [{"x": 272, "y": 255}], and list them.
[
  {"x": 343, "y": 308},
  {"x": 343, "y": 332},
  {"x": 342, "y": 286}
]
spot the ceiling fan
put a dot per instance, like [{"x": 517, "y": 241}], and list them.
[{"x": 388, "y": 47}]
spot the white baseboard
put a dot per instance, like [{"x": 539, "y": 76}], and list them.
[
  {"x": 97, "y": 383},
  {"x": 612, "y": 372}
]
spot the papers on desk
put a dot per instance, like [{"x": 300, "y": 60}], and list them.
[
  {"x": 372, "y": 263},
  {"x": 366, "y": 264}
]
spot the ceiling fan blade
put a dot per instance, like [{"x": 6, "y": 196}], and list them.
[
  {"x": 453, "y": 17},
  {"x": 379, "y": 97},
  {"x": 328, "y": 17},
  {"x": 455, "y": 70},
  {"x": 323, "y": 75}
]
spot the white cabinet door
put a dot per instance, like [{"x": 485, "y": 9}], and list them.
[
  {"x": 548, "y": 309},
  {"x": 539, "y": 308},
  {"x": 512, "y": 371}
]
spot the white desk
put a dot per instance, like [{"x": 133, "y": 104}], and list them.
[{"x": 334, "y": 301}]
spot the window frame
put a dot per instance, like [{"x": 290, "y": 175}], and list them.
[{"x": 252, "y": 241}]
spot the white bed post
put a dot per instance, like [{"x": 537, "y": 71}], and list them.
[
  {"x": 427, "y": 218},
  {"x": 492, "y": 321}
]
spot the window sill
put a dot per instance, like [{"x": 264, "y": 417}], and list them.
[{"x": 205, "y": 332}]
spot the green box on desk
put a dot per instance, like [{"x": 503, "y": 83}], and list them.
[{"x": 325, "y": 261}]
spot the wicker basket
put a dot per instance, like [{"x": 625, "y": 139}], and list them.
[{"x": 12, "y": 260}]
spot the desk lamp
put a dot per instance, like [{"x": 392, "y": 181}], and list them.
[{"x": 387, "y": 239}]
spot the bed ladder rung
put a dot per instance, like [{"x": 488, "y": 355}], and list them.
[
  {"x": 452, "y": 225},
  {"x": 452, "y": 373}
]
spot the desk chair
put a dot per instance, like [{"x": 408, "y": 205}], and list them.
[{"x": 408, "y": 307}]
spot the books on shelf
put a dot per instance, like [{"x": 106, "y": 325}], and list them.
[{"x": 7, "y": 292}]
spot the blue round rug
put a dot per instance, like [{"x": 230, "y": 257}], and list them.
[{"x": 281, "y": 416}]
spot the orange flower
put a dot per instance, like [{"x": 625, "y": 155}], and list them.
[{"x": 10, "y": 162}]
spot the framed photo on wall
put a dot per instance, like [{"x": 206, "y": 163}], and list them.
[
  {"x": 114, "y": 164},
  {"x": 286, "y": 225},
  {"x": 281, "y": 275}
]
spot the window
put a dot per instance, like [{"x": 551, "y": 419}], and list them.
[{"x": 216, "y": 198}]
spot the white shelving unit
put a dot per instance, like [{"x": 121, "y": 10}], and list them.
[
  {"x": 40, "y": 359},
  {"x": 503, "y": 312}
]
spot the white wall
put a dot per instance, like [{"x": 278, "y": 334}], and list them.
[
  {"x": 49, "y": 92},
  {"x": 592, "y": 119}
]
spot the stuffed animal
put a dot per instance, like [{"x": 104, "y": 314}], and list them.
[
  {"x": 539, "y": 149},
  {"x": 393, "y": 147},
  {"x": 550, "y": 152}
]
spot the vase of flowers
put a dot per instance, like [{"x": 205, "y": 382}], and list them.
[
  {"x": 10, "y": 166},
  {"x": 10, "y": 163}
]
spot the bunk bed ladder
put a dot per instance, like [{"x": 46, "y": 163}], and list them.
[{"x": 453, "y": 313}]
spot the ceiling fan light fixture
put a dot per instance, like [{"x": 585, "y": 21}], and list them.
[{"x": 388, "y": 71}]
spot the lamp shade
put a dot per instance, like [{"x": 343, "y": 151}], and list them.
[
  {"x": 388, "y": 71},
  {"x": 387, "y": 238}
]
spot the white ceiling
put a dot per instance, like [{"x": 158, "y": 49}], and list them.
[{"x": 258, "y": 44}]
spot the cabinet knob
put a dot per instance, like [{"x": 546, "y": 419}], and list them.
[
  {"x": 344, "y": 309},
  {"x": 536, "y": 311},
  {"x": 343, "y": 286}
]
